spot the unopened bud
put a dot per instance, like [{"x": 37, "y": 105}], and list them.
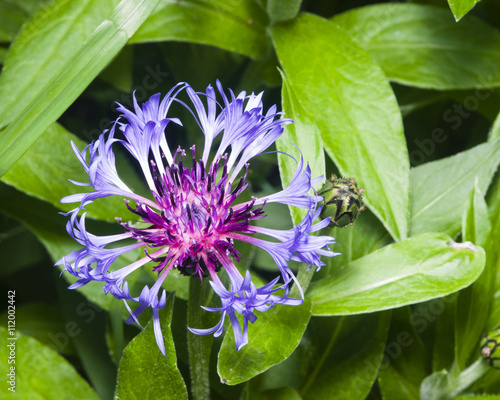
[{"x": 342, "y": 201}]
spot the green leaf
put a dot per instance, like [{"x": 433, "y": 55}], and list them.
[
  {"x": 282, "y": 10},
  {"x": 144, "y": 372},
  {"x": 353, "y": 242},
  {"x": 495, "y": 129},
  {"x": 271, "y": 340},
  {"x": 444, "y": 309},
  {"x": 345, "y": 365},
  {"x": 355, "y": 110},
  {"x": 40, "y": 373},
  {"x": 43, "y": 172},
  {"x": 62, "y": 85},
  {"x": 440, "y": 189},
  {"x": 13, "y": 14},
  {"x": 461, "y": 7},
  {"x": 405, "y": 359},
  {"x": 474, "y": 302},
  {"x": 45, "y": 43},
  {"x": 478, "y": 397},
  {"x": 12, "y": 17},
  {"x": 49, "y": 226},
  {"x": 476, "y": 225},
  {"x": 446, "y": 385},
  {"x": 423, "y": 46},
  {"x": 42, "y": 322},
  {"x": 238, "y": 27},
  {"x": 493, "y": 200},
  {"x": 303, "y": 137},
  {"x": 415, "y": 270}
]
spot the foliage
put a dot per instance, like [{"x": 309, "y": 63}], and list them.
[{"x": 403, "y": 97}]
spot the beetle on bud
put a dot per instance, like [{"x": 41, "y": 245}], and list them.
[
  {"x": 490, "y": 348},
  {"x": 342, "y": 201}
]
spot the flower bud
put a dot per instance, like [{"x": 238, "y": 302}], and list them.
[
  {"x": 490, "y": 348},
  {"x": 342, "y": 201}
]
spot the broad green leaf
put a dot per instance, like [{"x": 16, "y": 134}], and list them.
[
  {"x": 282, "y": 10},
  {"x": 488, "y": 383},
  {"x": 45, "y": 43},
  {"x": 461, "y": 7},
  {"x": 50, "y": 228},
  {"x": 42, "y": 322},
  {"x": 40, "y": 373},
  {"x": 440, "y": 189},
  {"x": 446, "y": 385},
  {"x": 423, "y": 46},
  {"x": 12, "y": 16},
  {"x": 62, "y": 85},
  {"x": 404, "y": 364},
  {"x": 302, "y": 138},
  {"x": 474, "y": 302},
  {"x": 144, "y": 372},
  {"x": 415, "y": 270},
  {"x": 478, "y": 397},
  {"x": 476, "y": 225},
  {"x": 345, "y": 364},
  {"x": 43, "y": 172},
  {"x": 271, "y": 340},
  {"x": 353, "y": 242},
  {"x": 355, "y": 110},
  {"x": 238, "y": 27}
]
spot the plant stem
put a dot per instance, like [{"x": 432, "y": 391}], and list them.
[{"x": 199, "y": 347}]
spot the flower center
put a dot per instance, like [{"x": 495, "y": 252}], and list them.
[{"x": 196, "y": 216}]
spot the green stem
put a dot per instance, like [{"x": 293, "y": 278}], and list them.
[
  {"x": 199, "y": 347},
  {"x": 304, "y": 277},
  {"x": 326, "y": 353},
  {"x": 115, "y": 315}
]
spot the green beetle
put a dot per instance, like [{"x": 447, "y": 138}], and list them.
[
  {"x": 342, "y": 201},
  {"x": 490, "y": 348}
]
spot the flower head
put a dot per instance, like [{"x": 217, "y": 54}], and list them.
[{"x": 193, "y": 220}]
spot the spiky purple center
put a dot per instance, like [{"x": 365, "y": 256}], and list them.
[{"x": 195, "y": 216}]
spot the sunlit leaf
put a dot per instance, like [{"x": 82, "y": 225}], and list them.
[
  {"x": 417, "y": 269},
  {"x": 423, "y": 46},
  {"x": 355, "y": 110}
]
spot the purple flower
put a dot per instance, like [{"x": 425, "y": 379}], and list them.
[{"x": 192, "y": 222}]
